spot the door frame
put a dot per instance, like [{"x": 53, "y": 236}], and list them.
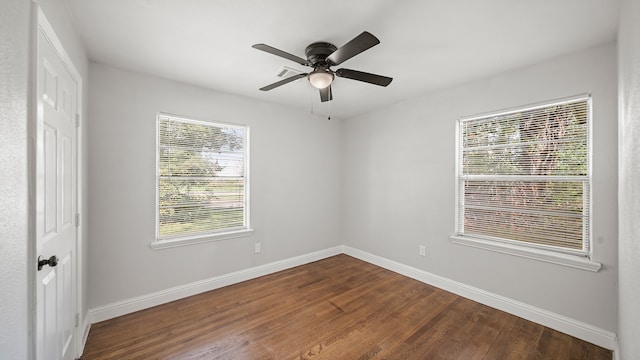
[{"x": 41, "y": 24}]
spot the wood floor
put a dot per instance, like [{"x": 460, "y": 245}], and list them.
[{"x": 337, "y": 308}]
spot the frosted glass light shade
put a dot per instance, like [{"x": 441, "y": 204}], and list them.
[{"x": 320, "y": 79}]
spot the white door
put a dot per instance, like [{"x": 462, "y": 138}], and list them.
[{"x": 56, "y": 207}]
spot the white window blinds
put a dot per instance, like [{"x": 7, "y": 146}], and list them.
[
  {"x": 523, "y": 176},
  {"x": 202, "y": 182}
]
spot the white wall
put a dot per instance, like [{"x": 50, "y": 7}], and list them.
[
  {"x": 399, "y": 177},
  {"x": 629, "y": 163},
  {"x": 295, "y": 192},
  {"x": 15, "y": 297}
]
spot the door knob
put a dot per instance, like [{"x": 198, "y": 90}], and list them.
[{"x": 52, "y": 261}]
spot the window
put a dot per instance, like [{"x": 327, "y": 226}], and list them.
[
  {"x": 524, "y": 177},
  {"x": 202, "y": 183}
]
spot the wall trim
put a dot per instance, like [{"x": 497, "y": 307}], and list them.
[
  {"x": 86, "y": 327},
  {"x": 578, "y": 329},
  {"x": 558, "y": 258},
  {"x": 124, "y": 307},
  {"x": 581, "y": 330}
]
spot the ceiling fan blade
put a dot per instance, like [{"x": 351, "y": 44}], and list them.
[
  {"x": 282, "y": 82},
  {"x": 354, "y": 47},
  {"x": 326, "y": 94},
  {"x": 278, "y": 52},
  {"x": 363, "y": 76}
]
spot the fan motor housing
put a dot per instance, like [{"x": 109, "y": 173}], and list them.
[{"x": 318, "y": 52}]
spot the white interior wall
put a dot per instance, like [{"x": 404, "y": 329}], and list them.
[
  {"x": 15, "y": 298},
  {"x": 295, "y": 190},
  {"x": 398, "y": 183},
  {"x": 629, "y": 163}
]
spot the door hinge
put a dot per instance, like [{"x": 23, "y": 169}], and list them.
[
  {"x": 77, "y": 120},
  {"x": 77, "y": 319},
  {"x": 77, "y": 219}
]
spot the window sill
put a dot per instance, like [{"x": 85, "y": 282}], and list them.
[
  {"x": 529, "y": 253},
  {"x": 170, "y": 243}
]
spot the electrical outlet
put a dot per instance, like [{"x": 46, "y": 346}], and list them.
[
  {"x": 257, "y": 248},
  {"x": 422, "y": 250}
]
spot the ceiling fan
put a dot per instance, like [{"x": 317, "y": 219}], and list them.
[{"x": 321, "y": 56}]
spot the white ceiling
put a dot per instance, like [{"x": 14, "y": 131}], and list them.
[{"x": 425, "y": 44}]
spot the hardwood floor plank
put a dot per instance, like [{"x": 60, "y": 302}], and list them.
[{"x": 337, "y": 308}]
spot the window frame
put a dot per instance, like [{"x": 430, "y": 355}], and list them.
[
  {"x": 208, "y": 236},
  {"x": 581, "y": 259}
]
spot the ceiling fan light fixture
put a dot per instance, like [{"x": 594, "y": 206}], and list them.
[
  {"x": 321, "y": 78},
  {"x": 321, "y": 56}
]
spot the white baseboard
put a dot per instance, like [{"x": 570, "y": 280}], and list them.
[
  {"x": 120, "y": 308},
  {"x": 86, "y": 327},
  {"x": 578, "y": 329},
  {"x": 549, "y": 319}
]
